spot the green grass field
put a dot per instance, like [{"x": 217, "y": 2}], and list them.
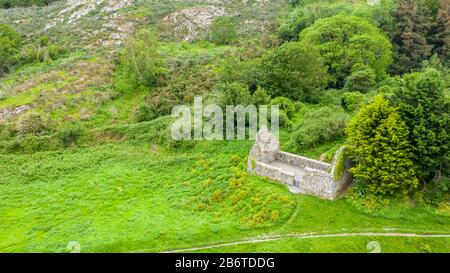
[{"x": 131, "y": 196}]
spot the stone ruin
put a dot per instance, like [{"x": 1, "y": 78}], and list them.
[{"x": 300, "y": 174}]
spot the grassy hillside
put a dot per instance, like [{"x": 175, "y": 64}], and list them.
[
  {"x": 140, "y": 196},
  {"x": 129, "y": 197}
]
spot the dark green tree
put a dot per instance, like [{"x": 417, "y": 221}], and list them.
[
  {"x": 410, "y": 40},
  {"x": 426, "y": 110},
  {"x": 293, "y": 70},
  {"x": 441, "y": 35},
  {"x": 344, "y": 41},
  {"x": 9, "y": 47},
  {"x": 361, "y": 79}
]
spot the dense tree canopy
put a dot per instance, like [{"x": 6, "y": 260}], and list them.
[
  {"x": 293, "y": 70},
  {"x": 344, "y": 41},
  {"x": 303, "y": 17}
]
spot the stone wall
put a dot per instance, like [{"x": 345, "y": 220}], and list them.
[
  {"x": 311, "y": 176},
  {"x": 302, "y": 162},
  {"x": 317, "y": 182},
  {"x": 274, "y": 173}
]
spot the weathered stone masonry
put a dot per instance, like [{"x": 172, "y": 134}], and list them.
[{"x": 300, "y": 174}]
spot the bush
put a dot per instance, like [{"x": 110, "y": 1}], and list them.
[
  {"x": 351, "y": 101},
  {"x": 32, "y": 53},
  {"x": 161, "y": 104},
  {"x": 344, "y": 41},
  {"x": 140, "y": 60},
  {"x": 324, "y": 124},
  {"x": 245, "y": 71},
  {"x": 436, "y": 191},
  {"x": 223, "y": 31},
  {"x": 236, "y": 93},
  {"x": 285, "y": 105},
  {"x": 361, "y": 79},
  {"x": 144, "y": 113},
  {"x": 378, "y": 143},
  {"x": 9, "y": 47},
  {"x": 6, "y": 131},
  {"x": 284, "y": 120},
  {"x": 293, "y": 71},
  {"x": 260, "y": 97},
  {"x": 70, "y": 134},
  {"x": 31, "y": 123},
  {"x": 286, "y": 111},
  {"x": 331, "y": 97}
]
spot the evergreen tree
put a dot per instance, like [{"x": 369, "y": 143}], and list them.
[
  {"x": 426, "y": 110},
  {"x": 410, "y": 40},
  {"x": 378, "y": 143},
  {"x": 441, "y": 35}
]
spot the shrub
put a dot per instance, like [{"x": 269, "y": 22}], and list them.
[
  {"x": 260, "y": 97},
  {"x": 32, "y": 53},
  {"x": 31, "y": 123},
  {"x": 324, "y": 124},
  {"x": 436, "y": 191},
  {"x": 351, "y": 101},
  {"x": 293, "y": 70},
  {"x": 223, "y": 31},
  {"x": 160, "y": 104},
  {"x": 245, "y": 71},
  {"x": 9, "y": 47},
  {"x": 6, "y": 131},
  {"x": 378, "y": 143},
  {"x": 284, "y": 120},
  {"x": 140, "y": 60},
  {"x": 236, "y": 93},
  {"x": 285, "y": 105},
  {"x": 331, "y": 97},
  {"x": 344, "y": 41},
  {"x": 144, "y": 113},
  {"x": 70, "y": 134},
  {"x": 361, "y": 79},
  {"x": 286, "y": 111},
  {"x": 33, "y": 144}
]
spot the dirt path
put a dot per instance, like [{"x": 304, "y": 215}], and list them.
[{"x": 309, "y": 235}]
